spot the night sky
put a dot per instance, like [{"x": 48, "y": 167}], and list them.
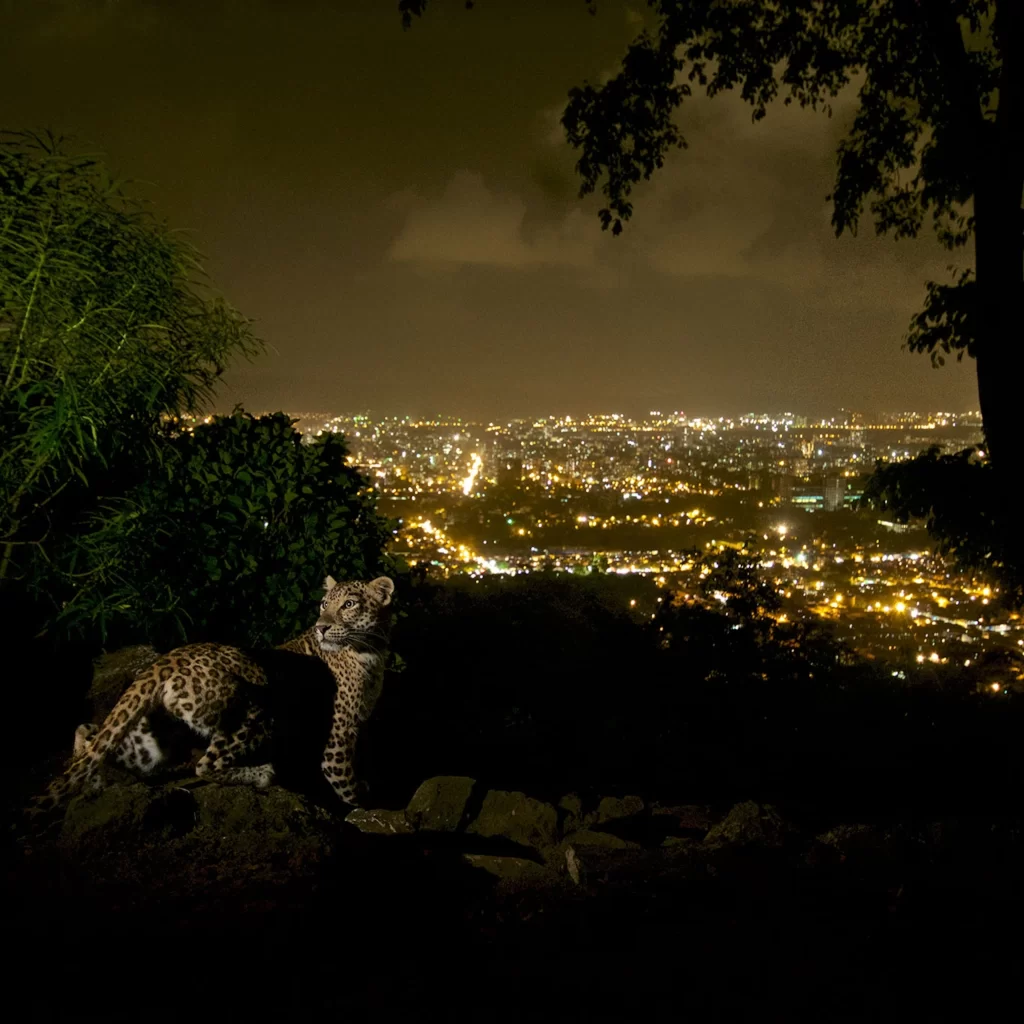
[{"x": 398, "y": 212}]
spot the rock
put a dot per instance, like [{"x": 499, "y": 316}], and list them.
[
  {"x": 612, "y": 808},
  {"x": 381, "y": 822},
  {"x": 572, "y": 865},
  {"x": 863, "y": 844},
  {"x": 579, "y": 850},
  {"x": 113, "y": 673},
  {"x": 210, "y": 843},
  {"x": 688, "y": 816},
  {"x": 588, "y": 863},
  {"x": 681, "y": 843},
  {"x": 516, "y": 870},
  {"x": 605, "y": 840},
  {"x": 116, "y": 813},
  {"x": 748, "y": 823},
  {"x": 439, "y": 804},
  {"x": 517, "y": 817},
  {"x": 571, "y": 816},
  {"x": 572, "y": 805}
]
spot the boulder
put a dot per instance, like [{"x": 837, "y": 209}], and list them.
[
  {"x": 613, "y": 808},
  {"x": 381, "y": 822},
  {"x": 116, "y": 813},
  {"x": 748, "y": 823},
  {"x": 439, "y": 804},
  {"x": 692, "y": 817},
  {"x": 585, "y": 839},
  {"x": 195, "y": 830},
  {"x": 586, "y": 863},
  {"x": 863, "y": 845},
  {"x": 517, "y": 817},
  {"x": 570, "y": 814},
  {"x": 587, "y": 848},
  {"x": 681, "y": 844}
]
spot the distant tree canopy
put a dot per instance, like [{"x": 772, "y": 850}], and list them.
[
  {"x": 936, "y": 138},
  {"x": 104, "y": 328}
]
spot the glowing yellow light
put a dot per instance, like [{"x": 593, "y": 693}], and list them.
[
  {"x": 476, "y": 464},
  {"x": 632, "y": 604},
  {"x": 995, "y": 687},
  {"x": 933, "y": 657},
  {"x": 900, "y": 606}
]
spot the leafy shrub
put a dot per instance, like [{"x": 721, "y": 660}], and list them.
[
  {"x": 105, "y": 327},
  {"x": 230, "y": 537}
]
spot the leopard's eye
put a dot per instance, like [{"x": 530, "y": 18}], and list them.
[
  {"x": 323, "y": 603},
  {"x": 349, "y": 604}
]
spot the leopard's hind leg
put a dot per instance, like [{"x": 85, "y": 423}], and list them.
[{"x": 226, "y": 749}]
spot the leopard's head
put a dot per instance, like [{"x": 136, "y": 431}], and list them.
[{"x": 353, "y": 614}]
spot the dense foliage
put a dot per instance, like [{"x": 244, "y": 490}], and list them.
[
  {"x": 230, "y": 537},
  {"x": 105, "y": 327}
]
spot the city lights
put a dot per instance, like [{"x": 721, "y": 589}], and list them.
[
  {"x": 474, "y": 471},
  {"x": 609, "y": 493}
]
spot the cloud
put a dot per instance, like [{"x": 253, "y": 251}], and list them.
[
  {"x": 748, "y": 202},
  {"x": 470, "y": 224}
]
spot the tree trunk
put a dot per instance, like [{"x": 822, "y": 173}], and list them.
[
  {"x": 999, "y": 259},
  {"x": 999, "y": 347}
]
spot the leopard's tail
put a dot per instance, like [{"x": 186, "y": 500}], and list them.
[{"x": 141, "y": 698}]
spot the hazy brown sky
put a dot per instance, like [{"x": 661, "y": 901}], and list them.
[{"x": 397, "y": 211}]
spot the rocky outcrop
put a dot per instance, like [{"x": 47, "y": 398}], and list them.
[
  {"x": 518, "y": 817},
  {"x": 613, "y": 808},
  {"x": 210, "y": 844},
  {"x": 748, "y": 823},
  {"x": 439, "y": 805},
  {"x": 210, "y": 841},
  {"x": 586, "y": 854},
  {"x": 381, "y": 822}
]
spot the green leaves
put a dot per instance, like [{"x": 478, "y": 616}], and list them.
[
  {"x": 241, "y": 530},
  {"x": 948, "y": 323},
  {"x": 105, "y": 328}
]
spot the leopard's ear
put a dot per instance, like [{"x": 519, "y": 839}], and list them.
[
  {"x": 384, "y": 587},
  {"x": 329, "y": 583}
]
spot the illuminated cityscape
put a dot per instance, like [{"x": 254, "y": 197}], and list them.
[{"x": 637, "y": 497}]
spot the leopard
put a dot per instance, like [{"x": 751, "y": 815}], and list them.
[{"x": 328, "y": 679}]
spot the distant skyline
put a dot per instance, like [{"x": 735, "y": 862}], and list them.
[
  {"x": 813, "y": 416},
  {"x": 398, "y": 212}
]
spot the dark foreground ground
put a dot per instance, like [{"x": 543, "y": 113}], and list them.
[
  {"x": 907, "y": 920},
  {"x": 895, "y": 889}
]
